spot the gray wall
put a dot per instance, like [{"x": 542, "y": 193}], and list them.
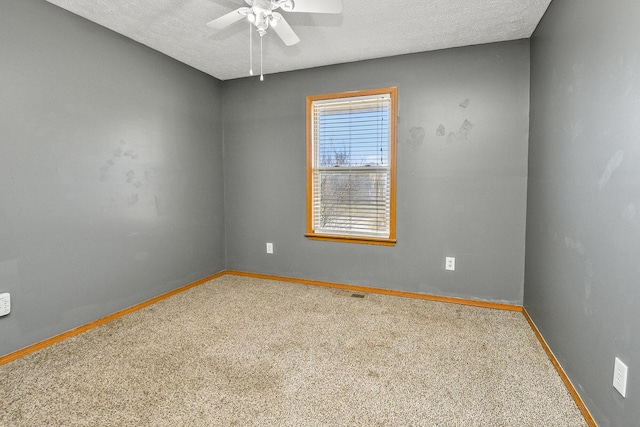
[
  {"x": 462, "y": 172},
  {"x": 111, "y": 179},
  {"x": 583, "y": 221},
  {"x": 111, "y": 184}
]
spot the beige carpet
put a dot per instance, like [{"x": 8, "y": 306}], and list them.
[{"x": 250, "y": 352}]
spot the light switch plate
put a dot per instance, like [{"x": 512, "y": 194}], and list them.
[{"x": 5, "y": 304}]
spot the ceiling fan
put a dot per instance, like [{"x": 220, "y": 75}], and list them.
[{"x": 262, "y": 15}]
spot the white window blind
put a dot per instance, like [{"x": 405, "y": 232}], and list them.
[{"x": 351, "y": 182}]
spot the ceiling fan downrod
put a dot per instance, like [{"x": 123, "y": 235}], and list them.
[{"x": 250, "y": 50}]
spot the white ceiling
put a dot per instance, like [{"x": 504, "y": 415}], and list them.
[{"x": 365, "y": 30}]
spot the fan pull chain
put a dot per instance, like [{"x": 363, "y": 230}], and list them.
[
  {"x": 261, "y": 75},
  {"x": 250, "y": 49}
]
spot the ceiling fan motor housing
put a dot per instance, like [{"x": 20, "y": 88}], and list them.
[{"x": 261, "y": 14}]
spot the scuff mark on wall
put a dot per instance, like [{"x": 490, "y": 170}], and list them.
[
  {"x": 588, "y": 288},
  {"x": 130, "y": 179},
  {"x": 462, "y": 134},
  {"x": 440, "y": 131},
  {"x": 465, "y": 103},
  {"x": 574, "y": 244},
  {"x": 118, "y": 160},
  {"x": 158, "y": 203},
  {"x": 465, "y": 129},
  {"x": 416, "y": 136},
  {"x": 614, "y": 163},
  {"x": 132, "y": 154},
  {"x": 630, "y": 214},
  {"x": 576, "y": 130},
  {"x": 578, "y": 73},
  {"x": 579, "y": 248},
  {"x": 621, "y": 75}
]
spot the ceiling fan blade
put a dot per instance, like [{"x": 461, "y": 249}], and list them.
[
  {"x": 314, "y": 6},
  {"x": 230, "y": 18},
  {"x": 283, "y": 29}
]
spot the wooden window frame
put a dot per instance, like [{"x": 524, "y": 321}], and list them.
[{"x": 310, "y": 233}]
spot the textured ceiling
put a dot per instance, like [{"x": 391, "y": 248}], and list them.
[{"x": 365, "y": 29}]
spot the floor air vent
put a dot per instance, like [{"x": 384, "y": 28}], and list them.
[{"x": 350, "y": 294}]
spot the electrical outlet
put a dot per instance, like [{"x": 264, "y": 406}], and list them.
[
  {"x": 450, "y": 263},
  {"x": 620, "y": 377},
  {"x": 5, "y": 304},
  {"x": 269, "y": 248}
]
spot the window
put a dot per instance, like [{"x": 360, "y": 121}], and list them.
[{"x": 351, "y": 145}]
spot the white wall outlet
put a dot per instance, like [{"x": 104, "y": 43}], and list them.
[
  {"x": 5, "y": 304},
  {"x": 620, "y": 377},
  {"x": 450, "y": 263},
  {"x": 269, "y": 248}
]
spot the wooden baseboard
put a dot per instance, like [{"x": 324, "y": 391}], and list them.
[
  {"x": 567, "y": 382},
  {"x": 382, "y": 291},
  {"x": 76, "y": 331}
]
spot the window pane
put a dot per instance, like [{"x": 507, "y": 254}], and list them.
[
  {"x": 354, "y": 139},
  {"x": 352, "y": 203}
]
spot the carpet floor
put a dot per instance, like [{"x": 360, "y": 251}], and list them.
[{"x": 252, "y": 352}]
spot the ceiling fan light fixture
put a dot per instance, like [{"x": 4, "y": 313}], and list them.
[
  {"x": 261, "y": 21},
  {"x": 251, "y": 17},
  {"x": 287, "y": 6}
]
